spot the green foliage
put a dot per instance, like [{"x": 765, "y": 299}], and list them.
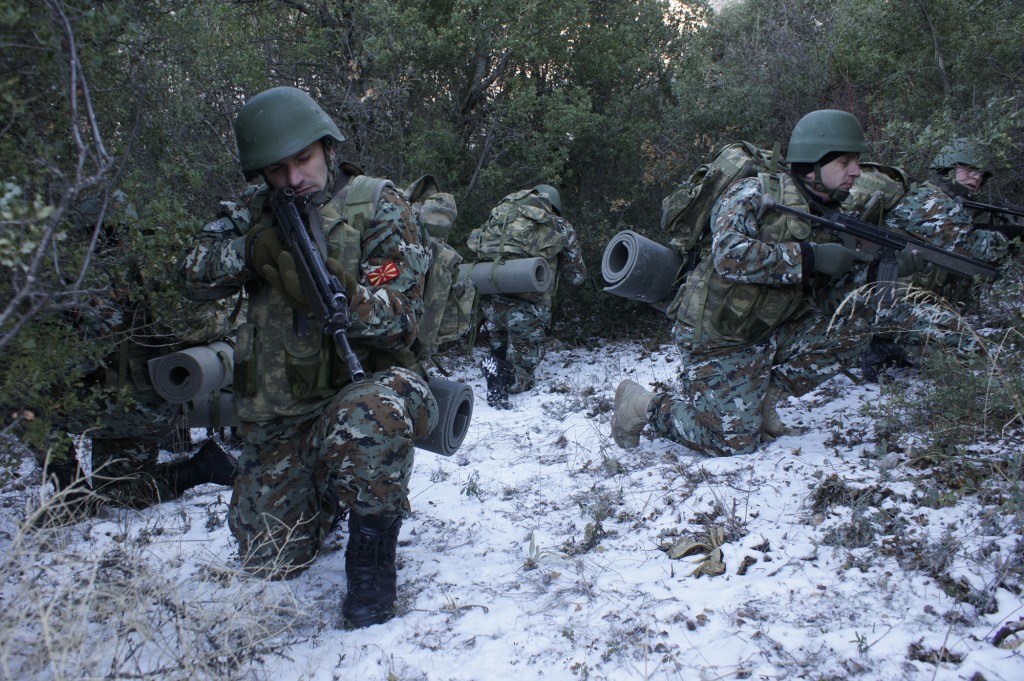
[
  {"x": 958, "y": 403},
  {"x": 614, "y": 102}
]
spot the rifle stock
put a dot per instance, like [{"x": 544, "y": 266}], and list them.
[
  {"x": 864, "y": 236},
  {"x": 322, "y": 289}
]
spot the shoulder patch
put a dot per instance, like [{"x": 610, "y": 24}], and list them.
[{"x": 219, "y": 226}]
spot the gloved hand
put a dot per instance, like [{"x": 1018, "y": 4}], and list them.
[
  {"x": 836, "y": 260},
  {"x": 262, "y": 248},
  {"x": 284, "y": 276},
  {"x": 909, "y": 262},
  {"x": 347, "y": 280}
]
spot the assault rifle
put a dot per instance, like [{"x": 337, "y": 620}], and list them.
[
  {"x": 1009, "y": 229},
  {"x": 883, "y": 243},
  {"x": 322, "y": 289}
]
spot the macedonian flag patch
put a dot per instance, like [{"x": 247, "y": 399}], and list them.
[{"x": 383, "y": 274}]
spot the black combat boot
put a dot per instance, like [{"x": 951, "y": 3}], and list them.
[
  {"x": 370, "y": 569},
  {"x": 210, "y": 464},
  {"x": 500, "y": 376},
  {"x": 880, "y": 355},
  {"x": 74, "y": 499}
]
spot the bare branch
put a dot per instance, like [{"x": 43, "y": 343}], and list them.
[
  {"x": 34, "y": 293},
  {"x": 940, "y": 63}
]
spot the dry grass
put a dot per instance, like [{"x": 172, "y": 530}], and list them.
[{"x": 115, "y": 610}]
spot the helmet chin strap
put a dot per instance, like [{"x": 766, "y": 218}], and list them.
[{"x": 818, "y": 185}]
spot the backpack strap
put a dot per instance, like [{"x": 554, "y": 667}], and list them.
[
  {"x": 514, "y": 208},
  {"x": 771, "y": 183},
  {"x": 360, "y": 197},
  {"x": 773, "y": 164}
]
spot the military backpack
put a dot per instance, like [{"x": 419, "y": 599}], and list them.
[
  {"x": 522, "y": 225},
  {"x": 878, "y": 189},
  {"x": 447, "y": 301},
  {"x": 686, "y": 212}
]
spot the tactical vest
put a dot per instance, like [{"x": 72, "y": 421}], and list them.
[
  {"x": 729, "y": 310},
  {"x": 284, "y": 364}
]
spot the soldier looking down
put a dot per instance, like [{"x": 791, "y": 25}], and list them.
[{"x": 316, "y": 438}]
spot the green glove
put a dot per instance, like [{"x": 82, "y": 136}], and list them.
[
  {"x": 908, "y": 262},
  {"x": 836, "y": 260},
  {"x": 285, "y": 277},
  {"x": 263, "y": 248},
  {"x": 349, "y": 282}
]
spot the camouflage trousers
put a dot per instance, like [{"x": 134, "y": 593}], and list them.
[
  {"x": 921, "y": 323},
  {"x": 125, "y": 448},
  {"x": 517, "y": 330},
  {"x": 361, "y": 445},
  {"x": 723, "y": 385}
]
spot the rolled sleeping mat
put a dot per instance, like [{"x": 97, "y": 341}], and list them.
[
  {"x": 185, "y": 375},
  {"x": 520, "y": 275},
  {"x": 455, "y": 402},
  {"x": 212, "y": 410},
  {"x": 639, "y": 268}
]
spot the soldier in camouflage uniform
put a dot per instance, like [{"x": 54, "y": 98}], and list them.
[
  {"x": 315, "y": 441},
  {"x": 752, "y": 319},
  {"x": 930, "y": 212},
  {"x": 517, "y": 323},
  {"x": 128, "y": 422}
]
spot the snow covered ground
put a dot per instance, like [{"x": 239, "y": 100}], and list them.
[{"x": 541, "y": 550}]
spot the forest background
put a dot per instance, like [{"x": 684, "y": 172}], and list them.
[{"x": 613, "y": 101}]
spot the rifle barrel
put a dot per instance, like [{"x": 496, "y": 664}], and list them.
[
  {"x": 323, "y": 290},
  {"x": 1001, "y": 208},
  {"x": 861, "y": 235}
]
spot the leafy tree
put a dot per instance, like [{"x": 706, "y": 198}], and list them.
[{"x": 614, "y": 101}]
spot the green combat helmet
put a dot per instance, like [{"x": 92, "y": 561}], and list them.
[
  {"x": 552, "y": 195},
  {"x": 824, "y": 132},
  {"x": 277, "y": 123},
  {"x": 960, "y": 152}
]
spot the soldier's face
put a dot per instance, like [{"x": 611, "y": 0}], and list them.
[
  {"x": 305, "y": 172},
  {"x": 969, "y": 178},
  {"x": 840, "y": 173}
]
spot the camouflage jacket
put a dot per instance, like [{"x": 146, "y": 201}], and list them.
[
  {"x": 929, "y": 213},
  {"x": 284, "y": 364},
  {"x": 751, "y": 280}
]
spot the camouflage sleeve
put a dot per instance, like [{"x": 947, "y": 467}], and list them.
[
  {"x": 570, "y": 259},
  {"x": 385, "y": 309},
  {"x": 927, "y": 213},
  {"x": 987, "y": 245},
  {"x": 737, "y": 251},
  {"x": 216, "y": 266}
]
